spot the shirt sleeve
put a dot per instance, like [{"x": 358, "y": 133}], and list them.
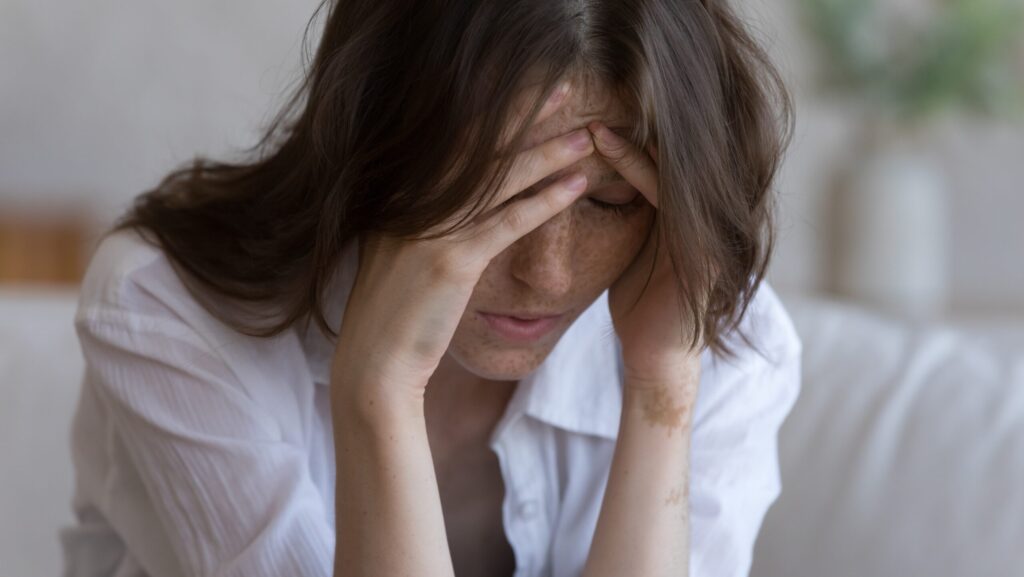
[
  {"x": 228, "y": 495},
  {"x": 734, "y": 448}
]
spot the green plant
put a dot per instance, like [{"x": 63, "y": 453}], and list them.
[{"x": 960, "y": 55}]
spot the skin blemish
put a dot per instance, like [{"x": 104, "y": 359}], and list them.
[
  {"x": 661, "y": 409},
  {"x": 679, "y": 497},
  {"x": 676, "y": 495}
]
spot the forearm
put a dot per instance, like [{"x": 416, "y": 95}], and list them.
[
  {"x": 643, "y": 527},
  {"x": 388, "y": 508}
]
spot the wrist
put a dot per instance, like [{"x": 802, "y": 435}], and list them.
[
  {"x": 371, "y": 405},
  {"x": 683, "y": 376}
]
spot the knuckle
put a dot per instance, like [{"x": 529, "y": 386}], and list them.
[
  {"x": 453, "y": 263},
  {"x": 619, "y": 152},
  {"x": 547, "y": 157},
  {"x": 636, "y": 161},
  {"x": 551, "y": 201},
  {"x": 514, "y": 217}
]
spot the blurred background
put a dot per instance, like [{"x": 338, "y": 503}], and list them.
[{"x": 901, "y": 206}]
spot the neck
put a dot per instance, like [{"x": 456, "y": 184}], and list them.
[{"x": 462, "y": 407}]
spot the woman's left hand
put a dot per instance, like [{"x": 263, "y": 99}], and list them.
[{"x": 653, "y": 333}]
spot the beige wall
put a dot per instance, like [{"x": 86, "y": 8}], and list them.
[{"x": 101, "y": 97}]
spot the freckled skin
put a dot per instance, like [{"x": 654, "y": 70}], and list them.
[{"x": 563, "y": 265}]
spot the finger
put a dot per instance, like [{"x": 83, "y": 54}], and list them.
[
  {"x": 542, "y": 161},
  {"x": 524, "y": 103},
  {"x": 652, "y": 149},
  {"x": 511, "y": 223},
  {"x": 635, "y": 165}
]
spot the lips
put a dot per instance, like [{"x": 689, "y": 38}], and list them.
[
  {"x": 527, "y": 316},
  {"x": 513, "y": 328}
]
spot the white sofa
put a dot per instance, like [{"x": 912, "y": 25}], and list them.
[{"x": 903, "y": 457}]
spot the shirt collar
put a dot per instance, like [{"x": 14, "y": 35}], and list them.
[{"x": 578, "y": 386}]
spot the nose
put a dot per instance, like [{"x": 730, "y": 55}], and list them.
[{"x": 543, "y": 257}]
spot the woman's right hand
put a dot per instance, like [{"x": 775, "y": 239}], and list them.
[{"x": 409, "y": 296}]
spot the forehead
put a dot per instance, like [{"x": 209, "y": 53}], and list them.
[{"x": 589, "y": 100}]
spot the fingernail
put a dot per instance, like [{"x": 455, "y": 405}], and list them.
[
  {"x": 579, "y": 140},
  {"x": 576, "y": 182}
]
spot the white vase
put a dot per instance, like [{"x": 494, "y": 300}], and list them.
[{"x": 893, "y": 235}]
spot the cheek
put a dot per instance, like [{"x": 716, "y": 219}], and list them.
[{"x": 608, "y": 243}]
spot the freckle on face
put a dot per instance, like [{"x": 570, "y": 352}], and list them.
[{"x": 563, "y": 265}]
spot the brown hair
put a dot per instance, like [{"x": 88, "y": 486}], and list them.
[{"x": 376, "y": 134}]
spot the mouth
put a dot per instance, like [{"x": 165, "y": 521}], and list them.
[
  {"x": 525, "y": 316},
  {"x": 522, "y": 327}
]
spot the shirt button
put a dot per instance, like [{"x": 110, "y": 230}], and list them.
[{"x": 528, "y": 509}]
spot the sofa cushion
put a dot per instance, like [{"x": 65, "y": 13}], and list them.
[
  {"x": 904, "y": 454},
  {"x": 40, "y": 372}
]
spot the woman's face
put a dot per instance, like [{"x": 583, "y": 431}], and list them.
[{"x": 563, "y": 265}]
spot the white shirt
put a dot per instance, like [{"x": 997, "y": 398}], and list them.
[{"x": 201, "y": 451}]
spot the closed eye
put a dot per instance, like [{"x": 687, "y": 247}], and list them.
[{"x": 621, "y": 209}]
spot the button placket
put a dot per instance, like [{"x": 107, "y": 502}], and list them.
[
  {"x": 523, "y": 507},
  {"x": 530, "y": 500},
  {"x": 507, "y": 464}
]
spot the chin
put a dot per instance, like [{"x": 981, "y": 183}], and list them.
[{"x": 498, "y": 364}]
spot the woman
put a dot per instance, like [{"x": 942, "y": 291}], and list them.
[{"x": 488, "y": 300}]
